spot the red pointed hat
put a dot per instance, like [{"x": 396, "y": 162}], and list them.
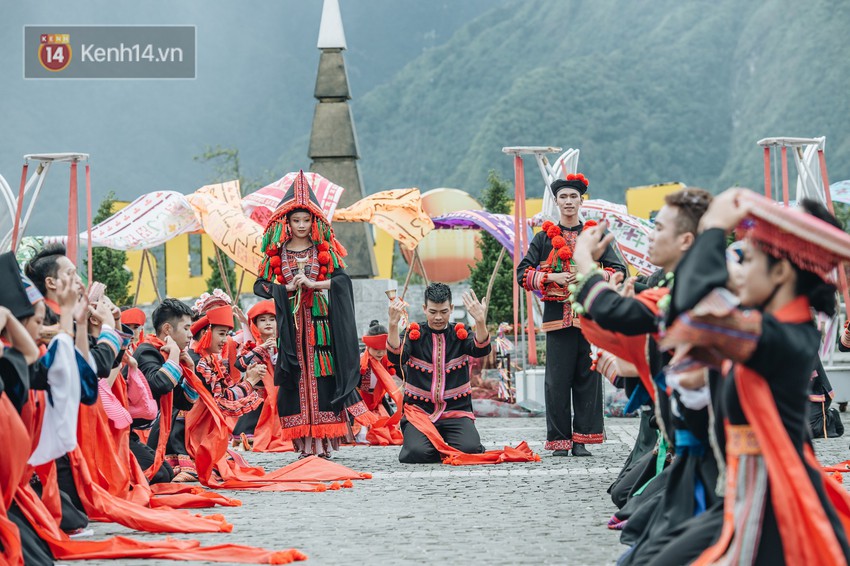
[
  {"x": 299, "y": 196},
  {"x": 806, "y": 241}
]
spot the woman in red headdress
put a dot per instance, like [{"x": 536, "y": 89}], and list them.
[
  {"x": 378, "y": 382},
  {"x": 260, "y": 348},
  {"x": 316, "y": 370}
]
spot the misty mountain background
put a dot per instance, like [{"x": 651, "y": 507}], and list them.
[{"x": 650, "y": 92}]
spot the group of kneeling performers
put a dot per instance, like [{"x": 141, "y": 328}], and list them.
[{"x": 716, "y": 351}]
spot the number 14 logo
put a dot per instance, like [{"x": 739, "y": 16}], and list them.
[{"x": 54, "y": 52}]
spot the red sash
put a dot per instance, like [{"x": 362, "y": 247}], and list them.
[
  {"x": 419, "y": 418},
  {"x": 633, "y": 349},
  {"x": 807, "y": 535}
]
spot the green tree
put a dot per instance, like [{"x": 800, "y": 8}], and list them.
[
  {"x": 108, "y": 264},
  {"x": 215, "y": 281},
  {"x": 496, "y": 199}
]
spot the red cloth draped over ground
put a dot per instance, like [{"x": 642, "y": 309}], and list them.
[
  {"x": 207, "y": 438},
  {"x": 116, "y": 489},
  {"x": 13, "y": 465},
  {"x": 267, "y": 434},
  {"x": 632, "y": 349},
  {"x": 14, "y": 481},
  {"x": 419, "y": 418},
  {"x": 385, "y": 431},
  {"x": 807, "y": 535}
]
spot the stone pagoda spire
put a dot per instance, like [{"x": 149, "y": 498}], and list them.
[{"x": 333, "y": 140}]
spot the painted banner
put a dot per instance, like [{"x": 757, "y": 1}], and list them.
[
  {"x": 219, "y": 211},
  {"x": 840, "y": 191},
  {"x": 261, "y": 204},
  {"x": 148, "y": 221},
  {"x": 397, "y": 212},
  {"x": 500, "y": 226},
  {"x": 631, "y": 232}
]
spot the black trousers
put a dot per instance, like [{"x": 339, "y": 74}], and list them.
[
  {"x": 248, "y": 423},
  {"x": 145, "y": 455},
  {"x": 573, "y": 391},
  {"x": 458, "y": 433},
  {"x": 73, "y": 515}
]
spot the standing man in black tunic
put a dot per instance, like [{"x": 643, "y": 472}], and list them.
[{"x": 547, "y": 267}]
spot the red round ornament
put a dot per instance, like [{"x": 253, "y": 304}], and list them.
[
  {"x": 324, "y": 258},
  {"x": 413, "y": 335},
  {"x": 323, "y": 270},
  {"x": 590, "y": 224},
  {"x": 553, "y": 231},
  {"x": 391, "y": 371},
  {"x": 413, "y": 326},
  {"x": 546, "y": 225},
  {"x": 558, "y": 242},
  {"x": 274, "y": 261},
  {"x": 272, "y": 251},
  {"x": 565, "y": 253},
  {"x": 280, "y": 279},
  {"x": 324, "y": 246}
]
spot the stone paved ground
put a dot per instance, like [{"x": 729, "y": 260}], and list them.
[{"x": 549, "y": 512}]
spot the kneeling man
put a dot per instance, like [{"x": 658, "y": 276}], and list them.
[{"x": 433, "y": 360}]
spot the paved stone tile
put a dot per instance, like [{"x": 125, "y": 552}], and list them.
[{"x": 548, "y": 512}]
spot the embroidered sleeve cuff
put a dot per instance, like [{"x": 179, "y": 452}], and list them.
[
  {"x": 126, "y": 339},
  {"x": 534, "y": 280},
  {"x": 190, "y": 393},
  {"x": 172, "y": 370},
  {"x": 590, "y": 291},
  {"x": 110, "y": 336},
  {"x": 396, "y": 351},
  {"x": 481, "y": 344}
]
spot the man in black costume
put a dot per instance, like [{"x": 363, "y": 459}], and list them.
[{"x": 547, "y": 268}]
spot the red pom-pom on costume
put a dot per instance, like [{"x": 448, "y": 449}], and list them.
[
  {"x": 558, "y": 242},
  {"x": 280, "y": 279},
  {"x": 565, "y": 253},
  {"x": 413, "y": 326},
  {"x": 590, "y": 224},
  {"x": 323, "y": 270},
  {"x": 546, "y": 225},
  {"x": 460, "y": 331},
  {"x": 272, "y": 251},
  {"x": 362, "y": 371},
  {"x": 321, "y": 277},
  {"x": 413, "y": 335},
  {"x": 277, "y": 270},
  {"x": 324, "y": 258},
  {"x": 391, "y": 371},
  {"x": 274, "y": 261},
  {"x": 553, "y": 231},
  {"x": 324, "y": 247}
]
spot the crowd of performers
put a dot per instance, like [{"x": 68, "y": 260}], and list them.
[{"x": 717, "y": 351}]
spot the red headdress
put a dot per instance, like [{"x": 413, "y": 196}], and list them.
[
  {"x": 259, "y": 309},
  {"x": 806, "y": 241},
  {"x": 299, "y": 197},
  {"x": 133, "y": 316},
  {"x": 216, "y": 310}
]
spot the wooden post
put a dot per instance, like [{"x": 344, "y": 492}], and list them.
[
  {"x": 153, "y": 279},
  {"x": 139, "y": 277},
  {"x": 223, "y": 273},
  {"x": 239, "y": 289},
  {"x": 493, "y": 280},
  {"x": 409, "y": 272}
]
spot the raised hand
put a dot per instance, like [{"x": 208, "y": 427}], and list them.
[
  {"x": 628, "y": 289},
  {"x": 397, "y": 310},
  {"x": 474, "y": 307},
  {"x": 726, "y": 210},
  {"x": 240, "y": 316}
]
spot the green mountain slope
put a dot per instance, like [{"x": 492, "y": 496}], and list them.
[{"x": 649, "y": 92}]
